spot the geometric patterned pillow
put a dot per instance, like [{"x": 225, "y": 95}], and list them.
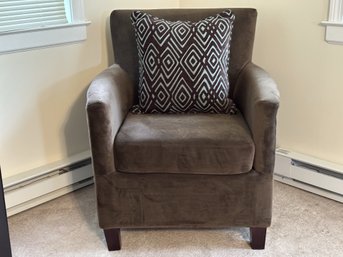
[{"x": 183, "y": 66}]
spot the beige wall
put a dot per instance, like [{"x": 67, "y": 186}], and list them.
[
  {"x": 42, "y": 91},
  {"x": 290, "y": 45}
]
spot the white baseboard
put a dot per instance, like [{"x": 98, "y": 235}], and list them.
[
  {"x": 308, "y": 173},
  {"x": 309, "y": 188},
  {"x": 24, "y": 193},
  {"x": 23, "y": 206}
]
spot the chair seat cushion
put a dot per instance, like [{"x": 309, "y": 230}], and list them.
[{"x": 184, "y": 143}]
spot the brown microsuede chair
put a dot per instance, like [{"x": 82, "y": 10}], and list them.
[{"x": 188, "y": 191}]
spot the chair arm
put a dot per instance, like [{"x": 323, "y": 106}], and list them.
[
  {"x": 109, "y": 98},
  {"x": 257, "y": 97}
]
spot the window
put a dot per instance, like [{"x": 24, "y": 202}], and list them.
[
  {"x": 334, "y": 25},
  {"x": 27, "y": 24}
]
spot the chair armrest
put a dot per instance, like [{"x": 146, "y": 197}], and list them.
[
  {"x": 109, "y": 98},
  {"x": 257, "y": 97}
]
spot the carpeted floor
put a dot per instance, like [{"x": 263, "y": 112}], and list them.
[{"x": 303, "y": 224}]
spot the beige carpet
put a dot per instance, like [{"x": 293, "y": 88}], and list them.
[{"x": 304, "y": 224}]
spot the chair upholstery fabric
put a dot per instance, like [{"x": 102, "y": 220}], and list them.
[
  {"x": 184, "y": 201},
  {"x": 240, "y": 196},
  {"x": 187, "y": 144}
]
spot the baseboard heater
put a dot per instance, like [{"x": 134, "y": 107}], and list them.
[
  {"x": 39, "y": 185},
  {"x": 309, "y": 173}
]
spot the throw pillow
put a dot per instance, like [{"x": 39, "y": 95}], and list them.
[{"x": 183, "y": 66}]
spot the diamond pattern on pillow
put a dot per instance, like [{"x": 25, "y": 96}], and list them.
[{"x": 183, "y": 66}]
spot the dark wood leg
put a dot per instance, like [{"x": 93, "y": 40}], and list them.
[
  {"x": 113, "y": 239},
  {"x": 257, "y": 238}
]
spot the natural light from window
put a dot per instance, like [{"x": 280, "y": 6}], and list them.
[{"x": 27, "y": 24}]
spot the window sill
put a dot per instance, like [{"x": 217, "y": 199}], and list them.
[
  {"x": 334, "y": 32},
  {"x": 13, "y": 41}
]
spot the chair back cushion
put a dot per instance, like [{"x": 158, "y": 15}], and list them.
[
  {"x": 124, "y": 41},
  {"x": 183, "y": 66}
]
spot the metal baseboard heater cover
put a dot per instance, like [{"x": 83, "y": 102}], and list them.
[
  {"x": 309, "y": 173},
  {"x": 42, "y": 184}
]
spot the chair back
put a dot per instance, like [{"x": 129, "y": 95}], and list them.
[{"x": 124, "y": 42}]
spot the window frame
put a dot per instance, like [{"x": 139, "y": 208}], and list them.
[
  {"x": 71, "y": 32},
  {"x": 334, "y": 24}
]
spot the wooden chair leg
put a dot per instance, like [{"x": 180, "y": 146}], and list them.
[
  {"x": 113, "y": 239},
  {"x": 257, "y": 238}
]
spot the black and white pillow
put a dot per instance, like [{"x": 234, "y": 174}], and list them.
[{"x": 183, "y": 66}]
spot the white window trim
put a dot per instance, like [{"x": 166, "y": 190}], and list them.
[
  {"x": 74, "y": 31},
  {"x": 334, "y": 24}
]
